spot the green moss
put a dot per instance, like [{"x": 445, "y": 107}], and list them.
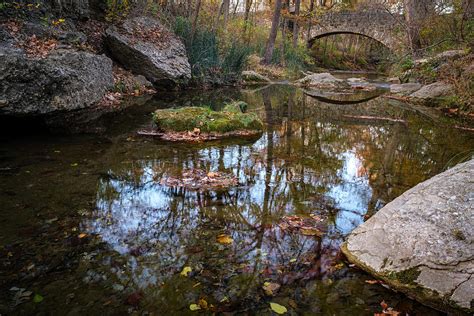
[
  {"x": 408, "y": 276},
  {"x": 236, "y": 107},
  {"x": 207, "y": 120}
]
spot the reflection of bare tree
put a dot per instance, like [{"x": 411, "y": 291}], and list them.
[{"x": 310, "y": 163}]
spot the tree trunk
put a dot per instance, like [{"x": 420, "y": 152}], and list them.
[
  {"x": 248, "y": 5},
  {"x": 195, "y": 19},
  {"x": 273, "y": 33},
  {"x": 226, "y": 8},
  {"x": 416, "y": 13},
  {"x": 295, "y": 23},
  {"x": 308, "y": 36}
]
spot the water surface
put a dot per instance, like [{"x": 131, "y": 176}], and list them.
[{"x": 87, "y": 225}]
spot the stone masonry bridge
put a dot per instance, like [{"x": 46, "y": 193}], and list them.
[{"x": 379, "y": 25}]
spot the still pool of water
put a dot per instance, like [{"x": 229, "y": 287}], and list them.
[{"x": 87, "y": 228}]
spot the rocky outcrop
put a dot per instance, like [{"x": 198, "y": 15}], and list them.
[
  {"x": 250, "y": 76},
  {"x": 422, "y": 242},
  {"x": 433, "y": 91},
  {"x": 405, "y": 88},
  {"x": 323, "y": 81},
  {"x": 145, "y": 47},
  {"x": 63, "y": 81}
]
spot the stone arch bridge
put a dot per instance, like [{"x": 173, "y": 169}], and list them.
[{"x": 379, "y": 25}]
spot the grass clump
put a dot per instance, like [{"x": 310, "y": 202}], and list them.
[{"x": 206, "y": 120}]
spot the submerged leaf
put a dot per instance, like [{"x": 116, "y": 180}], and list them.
[
  {"x": 37, "y": 298},
  {"x": 186, "y": 271},
  {"x": 277, "y": 308}
]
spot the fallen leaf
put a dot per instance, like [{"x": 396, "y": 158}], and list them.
[
  {"x": 134, "y": 299},
  {"x": 270, "y": 288},
  {"x": 194, "y": 307},
  {"x": 293, "y": 303},
  {"x": 309, "y": 231},
  {"x": 384, "y": 305},
  {"x": 37, "y": 298},
  {"x": 202, "y": 303},
  {"x": 371, "y": 281},
  {"x": 74, "y": 164},
  {"x": 212, "y": 174},
  {"x": 292, "y": 260},
  {"x": 224, "y": 239},
  {"x": 186, "y": 271},
  {"x": 82, "y": 235},
  {"x": 277, "y": 308}
]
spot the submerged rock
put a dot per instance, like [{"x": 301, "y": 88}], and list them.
[
  {"x": 421, "y": 243},
  {"x": 434, "y": 90},
  {"x": 405, "y": 88},
  {"x": 251, "y": 76},
  {"x": 323, "y": 81},
  {"x": 63, "y": 81},
  {"x": 188, "y": 119},
  {"x": 144, "y": 46}
]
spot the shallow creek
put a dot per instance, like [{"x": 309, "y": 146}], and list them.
[{"x": 87, "y": 228}]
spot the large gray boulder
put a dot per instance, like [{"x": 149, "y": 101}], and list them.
[
  {"x": 63, "y": 81},
  {"x": 434, "y": 90},
  {"x": 323, "y": 81},
  {"x": 422, "y": 243},
  {"x": 145, "y": 47},
  {"x": 405, "y": 88}
]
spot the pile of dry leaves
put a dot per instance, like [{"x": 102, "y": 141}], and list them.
[
  {"x": 13, "y": 27},
  {"x": 196, "y": 135},
  {"x": 95, "y": 32},
  {"x": 158, "y": 36},
  {"x": 111, "y": 99},
  {"x": 198, "y": 179},
  {"x": 130, "y": 84},
  {"x": 307, "y": 226},
  {"x": 39, "y": 48}
]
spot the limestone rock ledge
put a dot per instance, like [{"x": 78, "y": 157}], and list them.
[{"x": 422, "y": 243}]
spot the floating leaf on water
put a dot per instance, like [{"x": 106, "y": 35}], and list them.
[
  {"x": 74, "y": 164},
  {"x": 225, "y": 299},
  {"x": 82, "y": 235},
  {"x": 309, "y": 231},
  {"x": 371, "y": 281},
  {"x": 271, "y": 288},
  {"x": 224, "y": 239},
  {"x": 277, "y": 308},
  {"x": 186, "y": 271},
  {"x": 292, "y": 260},
  {"x": 202, "y": 303},
  {"x": 37, "y": 298},
  {"x": 194, "y": 307}
]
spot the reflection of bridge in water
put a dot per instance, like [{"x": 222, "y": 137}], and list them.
[{"x": 352, "y": 98}]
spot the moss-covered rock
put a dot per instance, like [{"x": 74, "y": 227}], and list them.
[{"x": 206, "y": 120}]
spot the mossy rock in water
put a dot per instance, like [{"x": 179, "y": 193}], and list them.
[{"x": 206, "y": 120}]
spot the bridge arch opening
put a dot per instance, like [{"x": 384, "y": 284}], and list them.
[{"x": 349, "y": 50}]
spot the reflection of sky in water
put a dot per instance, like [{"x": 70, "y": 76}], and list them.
[
  {"x": 137, "y": 212},
  {"x": 352, "y": 194}
]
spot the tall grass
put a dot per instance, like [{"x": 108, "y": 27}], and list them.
[{"x": 211, "y": 64}]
